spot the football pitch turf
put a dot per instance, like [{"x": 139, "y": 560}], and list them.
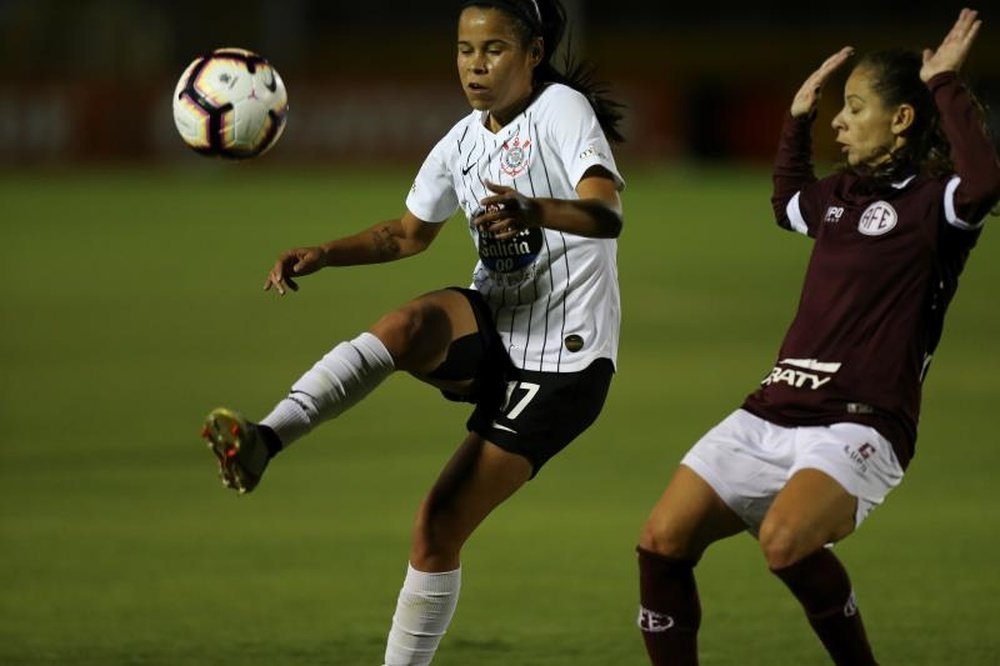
[{"x": 133, "y": 305}]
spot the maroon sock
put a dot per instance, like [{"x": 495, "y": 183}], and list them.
[
  {"x": 821, "y": 585},
  {"x": 670, "y": 612}
]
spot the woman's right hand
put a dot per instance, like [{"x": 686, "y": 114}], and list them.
[
  {"x": 807, "y": 97},
  {"x": 294, "y": 263}
]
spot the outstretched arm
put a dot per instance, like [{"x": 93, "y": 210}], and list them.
[
  {"x": 793, "y": 167},
  {"x": 383, "y": 242},
  {"x": 596, "y": 214},
  {"x": 972, "y": 153}
]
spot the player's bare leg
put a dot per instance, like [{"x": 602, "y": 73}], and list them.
[
  {"x": 688, "y": 518},
  {"x": 415, "y": 337},
  {"x": 420, "y": 333},
  {"x": 811, "y": 511},
  {"x": 479, "y": 476},
  {"x": 477, "y": 479}
]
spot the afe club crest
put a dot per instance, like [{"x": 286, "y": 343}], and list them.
[
  {"x": 515, "y": 156},
  {"x": 878, "y": 219}
]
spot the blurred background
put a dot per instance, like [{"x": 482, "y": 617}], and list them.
[{"x": 87, "y": 80}]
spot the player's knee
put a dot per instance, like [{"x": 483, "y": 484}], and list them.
[
  {"x": 400, "y": 331},
  {"x": 783, "y": 543},
  {"x": 661, "y": 536}
]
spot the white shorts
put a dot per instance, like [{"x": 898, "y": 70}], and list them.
[{"x": 748, "y": 460}]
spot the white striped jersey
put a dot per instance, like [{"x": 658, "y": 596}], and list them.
[{"x": 554, "y": 295}]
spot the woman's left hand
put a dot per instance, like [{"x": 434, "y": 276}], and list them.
[
  {"x": 507, "y": 212},
  {"x": 950, "y": 55}
]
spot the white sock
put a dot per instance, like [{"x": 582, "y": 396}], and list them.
[
  {"x": 348, "y": 373},
  {"x": 423, "y": 612}
]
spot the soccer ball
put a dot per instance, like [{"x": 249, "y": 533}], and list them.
[{"x": 230, "y": 103}]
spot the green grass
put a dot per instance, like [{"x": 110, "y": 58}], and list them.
[{"x": 132, "y": 305}]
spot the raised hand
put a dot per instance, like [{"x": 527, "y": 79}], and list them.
[
  {"x": 808, "y": 95},
  {"x": 506, "y": 213},
  {"x": 295, "y": 262},
  {"x": 950, "y": 55}
]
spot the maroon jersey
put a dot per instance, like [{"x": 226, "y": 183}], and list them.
[{"x": 884, "y": 266}]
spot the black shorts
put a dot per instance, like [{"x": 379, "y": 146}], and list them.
[{"x": 532, "y": 414}]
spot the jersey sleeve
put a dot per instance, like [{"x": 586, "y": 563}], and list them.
[
  {"x": 807, "y": 208},
  {"x": 432, "y": 197},
  {"x": 579, "y": 138},
  {"x": 795, "y": 197},
  {"x": 975, "y": 188}
]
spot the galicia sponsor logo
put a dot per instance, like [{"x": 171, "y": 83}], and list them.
[
  {"x": 508, "y": 249},
  {"x": 508, "y": 256}
]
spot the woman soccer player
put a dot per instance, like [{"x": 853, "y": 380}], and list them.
[
  {"x": 833, "y": 426},
  {"x": 532, "y": 344}
]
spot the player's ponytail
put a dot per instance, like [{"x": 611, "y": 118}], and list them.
[{"x": 546, "y": 19}]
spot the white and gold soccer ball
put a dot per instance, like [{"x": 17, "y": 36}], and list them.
[{"x": 230, "y": 103}]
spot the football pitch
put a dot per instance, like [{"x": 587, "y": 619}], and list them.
[{"x": 132, "y": 305}]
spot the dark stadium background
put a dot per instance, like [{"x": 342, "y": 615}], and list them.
[{"x": 90, "y": 79}]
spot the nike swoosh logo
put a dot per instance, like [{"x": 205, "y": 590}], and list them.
[
  {"x": 466, "y": 170},
  {"x": 500, "y": 427},
  {"x": 273, "y": 85}
]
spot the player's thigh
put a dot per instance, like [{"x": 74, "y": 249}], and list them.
[
  {"x": 812, "y": 510},
  {"x": 419, "y": 333},
  {"x": 688, "y": 517},
  {"x": 840, "y": 474}
]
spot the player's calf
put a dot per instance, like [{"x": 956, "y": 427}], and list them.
[{"x": 822, "y": 586}]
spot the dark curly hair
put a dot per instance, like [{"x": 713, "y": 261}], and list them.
[
  {"x": 896, "y": 80},
  {"x": 546, "y": 19}
]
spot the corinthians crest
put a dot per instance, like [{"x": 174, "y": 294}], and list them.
[{"x": 515, "y": 156}]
